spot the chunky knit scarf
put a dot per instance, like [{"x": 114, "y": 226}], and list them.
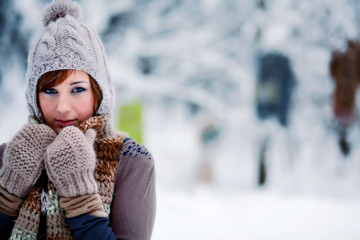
[{"x": 107, "y": 147}]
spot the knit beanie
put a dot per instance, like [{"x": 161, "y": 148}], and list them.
[{"x": 67, "y": 43}]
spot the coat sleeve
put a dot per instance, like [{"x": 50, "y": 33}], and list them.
[
  {"x": 6, "y": 222},
  {"x": 6, "y": 225},
  {"x": 86, "y": 227},
  {"x": 134, "y": 203}
]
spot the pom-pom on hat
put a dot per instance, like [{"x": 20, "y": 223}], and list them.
[
  {"x": 67, "y": 43},
  {"x": 53, "y": 12}
]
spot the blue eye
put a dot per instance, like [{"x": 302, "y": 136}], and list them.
[
  {"x": 50, "y": 91},
  {"x": 78, "y": 89}
]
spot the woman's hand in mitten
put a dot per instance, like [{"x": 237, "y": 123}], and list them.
[
  {"x": 70, "y": 162},
  {"x": 23, "y": 159}
]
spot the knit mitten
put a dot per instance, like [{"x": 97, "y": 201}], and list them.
[
  {"x": 23, "y": 159},
  {"x": 70, "y": 162}
]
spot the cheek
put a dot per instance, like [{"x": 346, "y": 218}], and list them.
[
  {"x": 85, "y": 107},
  {"x": 46, "y": 108}
]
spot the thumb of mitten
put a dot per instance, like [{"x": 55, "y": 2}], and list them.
[{"x": 90, "y": 136}]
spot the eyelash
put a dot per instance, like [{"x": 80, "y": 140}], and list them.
[
  {"x": 75, "y": 90},
  {"x": 78, "y": 89},
  {"x": 50, "y": 91}
]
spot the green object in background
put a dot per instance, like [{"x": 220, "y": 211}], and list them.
[{"x": 130, "y": 120}]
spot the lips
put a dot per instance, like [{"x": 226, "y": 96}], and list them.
[{"x": 65, "y": 123}]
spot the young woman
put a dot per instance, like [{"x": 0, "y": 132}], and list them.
[{"x": 67, "y": 174}]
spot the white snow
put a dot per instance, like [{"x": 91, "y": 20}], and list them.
[
  {"x": 210, "y": 214},
  {"x": 205, "y": 54}
]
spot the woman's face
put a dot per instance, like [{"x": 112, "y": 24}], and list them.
[{"x": 68, "y": 103}]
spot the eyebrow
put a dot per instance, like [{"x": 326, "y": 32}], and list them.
[{"x": 74, "y": 83}]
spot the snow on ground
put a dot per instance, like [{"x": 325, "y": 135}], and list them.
[
  {"x": 318, "y": 198},
  {"x": 309, "y": 206},
  {"x": 209, "y": 214}
]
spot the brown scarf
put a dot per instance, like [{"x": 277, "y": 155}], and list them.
[{"x": 107, "y": 147}]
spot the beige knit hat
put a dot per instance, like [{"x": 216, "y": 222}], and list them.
[{"x": 67, "y": 43}]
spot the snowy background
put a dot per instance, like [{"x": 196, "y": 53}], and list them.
[{"x": 194, "y": 63}]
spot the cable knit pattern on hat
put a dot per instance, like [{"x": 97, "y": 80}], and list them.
[
  {"x": 70, "y": 162},
  {"x": 23, "y": 161},
  {"x": 67, "y": 43}
]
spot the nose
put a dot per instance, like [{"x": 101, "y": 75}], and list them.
[{"x": 64, "y": 104}]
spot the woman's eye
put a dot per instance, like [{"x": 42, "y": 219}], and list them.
[
  {"x": 50, "y": 91},
  {"x": 78, "y": 89}
]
